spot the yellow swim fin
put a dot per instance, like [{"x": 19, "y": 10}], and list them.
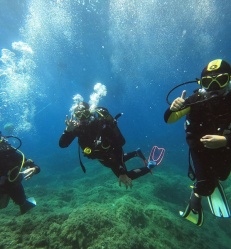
[{"x": 196, "y": 217}]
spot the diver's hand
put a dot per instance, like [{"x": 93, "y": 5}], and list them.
[
  {"x": 178, "y": 102},
  {"x": 213, "y": 141},
  {"x": 70, "y": 123},
  {"x": 28, "y": 173},
  {"x": 125, "y": 180}
]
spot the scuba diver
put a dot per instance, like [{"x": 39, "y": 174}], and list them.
[
  {"x": 12, "y": 161},
  {"x": 100, "y": 138},
  {"x": 208, "y": 135}
]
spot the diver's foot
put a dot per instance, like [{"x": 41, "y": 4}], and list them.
[{"x": 151, "y": 165}]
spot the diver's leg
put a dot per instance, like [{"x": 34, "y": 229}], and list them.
[
  {"x": 4, "y": 200},
  {"x": 4, "y": 197},
  {"x": 137, "y": 153},
  {"x": 195, "y": 202},
  {"x": 205, "y": 181},
  {"x": 129, "y": 155},
  {"x": 16, "y": 193},
  {"x": 136, "y": 173},
  {"x": 223, "y": 165}
]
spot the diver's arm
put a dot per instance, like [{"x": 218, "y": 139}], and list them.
[
  {"x": 178, "y": 103},
  {"x": 66, "y": 139},
  {"x": 176, "y": 110},
  {"x": 70, "y": 132},
  {"x": 29, "y": 163},
  {"x": 31, "y": 169},
  {"x": 214, "y": 141},
  {"x": 124, "y": 179},
  {"x": 122, "y": 176},
  {"x": 171, "y": 117},
  {"x": 118, "y": 170}
]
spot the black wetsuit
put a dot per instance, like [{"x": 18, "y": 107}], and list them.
[
  {"x": 99, "y": 136},
  {"x": 10, "y": 184},
  {"x": 210, "y": 117}
]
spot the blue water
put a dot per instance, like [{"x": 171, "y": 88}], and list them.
[{"x": 139, "y": 51}]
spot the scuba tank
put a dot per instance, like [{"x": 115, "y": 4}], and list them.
[{"x": 104, "y": 114}]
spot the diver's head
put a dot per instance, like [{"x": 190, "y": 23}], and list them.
[
  {"x": 81, "y": 111},
  {"x": 216, "y": 76}
]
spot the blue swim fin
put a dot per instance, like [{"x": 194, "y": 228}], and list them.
[{"x": 218, "y": 203}]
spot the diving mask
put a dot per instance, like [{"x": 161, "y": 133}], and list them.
[
  {"x": 82, "y": 114},
  {"x": 215, "y": 82}
]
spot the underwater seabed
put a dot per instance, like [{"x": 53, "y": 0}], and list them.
[{"x": 94, "y": 212}]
